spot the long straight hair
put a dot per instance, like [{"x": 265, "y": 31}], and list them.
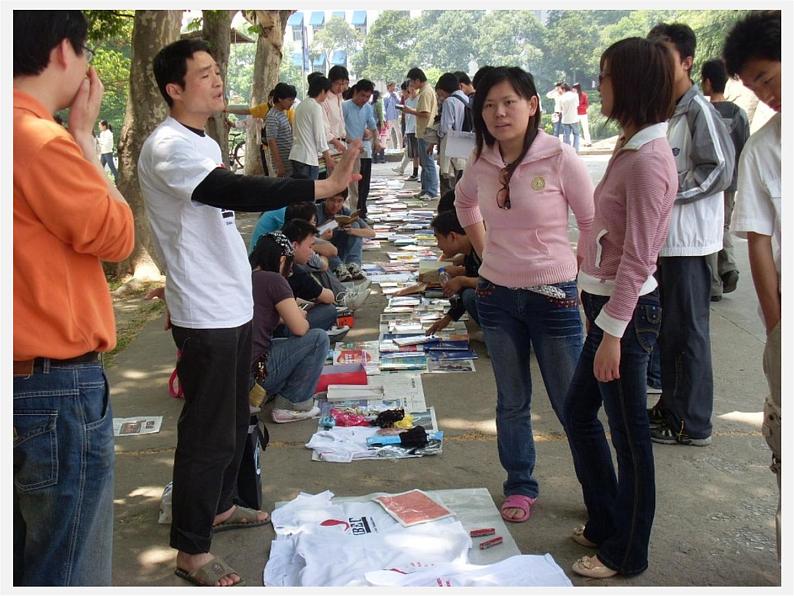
[{"x": 524, "y": 85}]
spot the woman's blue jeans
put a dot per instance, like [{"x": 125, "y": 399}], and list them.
[
  {"x": 293, "y": 368},
  {"x": 620, "y": 508},
  {"x": 512, "y": 321}
]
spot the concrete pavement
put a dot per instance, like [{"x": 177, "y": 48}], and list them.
[{"x": 714, "y": 522}]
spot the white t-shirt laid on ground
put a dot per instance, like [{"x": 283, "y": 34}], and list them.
[
  {"x": 758, "y": 187},
  {"x": 208, "y": 283}
]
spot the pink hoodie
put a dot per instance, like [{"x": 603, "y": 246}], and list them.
[{"x": 528, "y": 244}]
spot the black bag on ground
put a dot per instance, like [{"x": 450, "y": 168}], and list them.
[{"x": 249, "y": 477}]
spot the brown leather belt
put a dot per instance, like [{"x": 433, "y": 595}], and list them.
[{"x": 25, "y": 367}]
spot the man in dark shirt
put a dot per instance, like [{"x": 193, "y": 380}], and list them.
[{"x": 713, "y": 75}]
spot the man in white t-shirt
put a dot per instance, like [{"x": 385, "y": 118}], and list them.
[
  {"x": 191, "y": 199},
  {"x": 309, "y": 133},
  {"x": 752, "y": 51},
  {"x": 569, "y": 104}
]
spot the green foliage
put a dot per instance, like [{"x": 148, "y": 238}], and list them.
[
  {"x": 572, "y": 45},
  {"x": 388, "y": 48},
  {"x": 337, "y": 34},
  {"x": 513, "y": 38},
  {"x": 447, "y": 39},
  {"x": 109, "y": 24}
]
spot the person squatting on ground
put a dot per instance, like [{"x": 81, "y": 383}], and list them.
[
  {"x": 752, "y": 51},
  {"x": 522, "y": 182},
  {"x": 704, "y": 158},
  {"x": 287, "y": 368},
  {"x": 348, "y": 239},
  {"x": 68, "y": 218},
  {"x": 713, "y": 76},
  {"x": 191, "y": 200},
  {"x": 462, "y": 285},
  {"x": 633, "y": 204}
]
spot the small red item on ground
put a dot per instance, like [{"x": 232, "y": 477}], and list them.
[
  {"x": 491, "y": 542},
  {"x": 479, "y": 533}
]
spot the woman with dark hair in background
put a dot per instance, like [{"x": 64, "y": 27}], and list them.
[
  {"x": 106, "y": 148},
  {"x": 522, "y": 181},
  {"x": 288, "y": 369},
  {"x": 633, "y": 203}
]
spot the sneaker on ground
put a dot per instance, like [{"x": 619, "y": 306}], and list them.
[
  {"x": 426, "y": 197},
  {"x": 667, "y": 436},
  {"x": 342, "y": 274},
  {"x": 398, "y": 171},
  {"x": 355, "y": 271},
  {"x": 337, "y": 333},
  {"x": 656, "y": 416},
  {"x": 355, "y": 297},
  {"x": 729, "y": 281},
  {"x": 412, "y": 178},
  {"x": 284, "y": 416},
  {"x": 653, "y": 390}
]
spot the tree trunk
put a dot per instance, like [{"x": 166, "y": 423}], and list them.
[
  {"x": 269, "y": 45},
  {"x": 217, "y": 31},
  {"x": 146, "y": 108}
]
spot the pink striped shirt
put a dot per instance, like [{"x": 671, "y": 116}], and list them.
[
  {"x": 527, "y": 245},
  {"x": 633, "y": 204}
]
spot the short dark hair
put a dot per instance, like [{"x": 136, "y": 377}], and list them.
[
  {"x": 37, "y": 32},
  {"x": 338, "y": 73},
  {"x": 404, "y": 85},
  {"x": 416, "y": 74},
  {"x": 170, "y": 63},
  {"x": 565, "y": 87},
  {"x": 364, "y": 85},
  {"x": 375, "y": 95},
  {"x": 317, "y": 85},
  {"x": 297, "y": 230},
  {"x": 303, "y": 210},
  {"x": 448, "y": 82},
  {"x": 678, "y": 34},
  {"x": 447, "y": 222},
  {"x": 642, "y": 75},
  {"x": 283, "y": 91},
  {"x": 463, "y": 78},
  {"x": 714, "y": 70},
  {"x": 756, "y": 36},
  {"x": 481, "y": 72},
  {"x": 107, "y": 125},
  {"x": 267, "y": 255},
  {"x": 342, "y": 193},
  {"x": 446, "y": 202}
]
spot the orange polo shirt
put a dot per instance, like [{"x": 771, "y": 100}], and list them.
[{"x": 65, "y": 223}]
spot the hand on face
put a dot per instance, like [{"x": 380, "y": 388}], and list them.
[{"x": 84, "y": 109}]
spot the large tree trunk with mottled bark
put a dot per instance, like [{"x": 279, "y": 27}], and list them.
[
  {"x": 146, "y": 108},
  {"x": 269, "y": 45},
  {"x": 216, "y": 31}
]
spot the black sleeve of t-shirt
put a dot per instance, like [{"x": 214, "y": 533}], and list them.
[
  {"x": 221, "y": 188},
  {"x": 304, "y": 286}
]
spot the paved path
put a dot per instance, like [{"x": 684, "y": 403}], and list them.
[{"x": 715, "y": 505}]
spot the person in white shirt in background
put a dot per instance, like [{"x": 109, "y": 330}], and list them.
[
  {"x": 569, "y": 104},
  {"x": 309, "y": 132},
  {"x": 332, "y": 108},
  {"x": 106, "y": 148},
  {"x": 556, "y": 115}
]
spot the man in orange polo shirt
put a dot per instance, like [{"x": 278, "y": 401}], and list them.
[{"x": 67, "y": 218}]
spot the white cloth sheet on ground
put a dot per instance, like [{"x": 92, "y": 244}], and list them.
[{"x": 318, "y": 538}]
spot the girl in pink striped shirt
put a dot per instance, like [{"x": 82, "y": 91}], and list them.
[{"x": 633, "y": 203}]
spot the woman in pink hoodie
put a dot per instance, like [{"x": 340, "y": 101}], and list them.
[
  {"x": 633, "y": 203},
  {"x": 522, "y": 182}
]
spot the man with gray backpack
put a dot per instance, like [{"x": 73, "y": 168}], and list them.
[{"x": 455, "y": 116}]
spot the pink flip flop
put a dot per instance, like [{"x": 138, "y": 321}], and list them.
[{"x": 522, "y": 502}]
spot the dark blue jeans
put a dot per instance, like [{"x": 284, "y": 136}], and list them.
[
  {"x": 620, "y": 509},
  {"x": 63, "y": 476},
  {"x": 512, "y": 322},
  {"x": 304, "y": 171},
  {"x": 685, "y": 346},
  {"x": 469, "y": 298},
  {"x": 349, "y": 248}
]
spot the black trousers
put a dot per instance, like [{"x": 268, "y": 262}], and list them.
[
  {"x": 213, "y": 371},
  {"x": 363, "y": 185}
]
